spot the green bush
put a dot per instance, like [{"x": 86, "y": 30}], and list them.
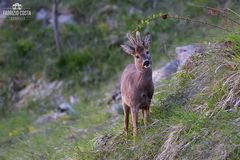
[
  {"x": 68, "y": 65},
  {"x": 73, "y": 62},
  {"x": 23, "y": 47}
]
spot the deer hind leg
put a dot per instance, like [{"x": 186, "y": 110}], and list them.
[
  {"x": 145, "y": 116},
  {"x": 126, "y": 110},
  {"x": 134, "y": 112}
]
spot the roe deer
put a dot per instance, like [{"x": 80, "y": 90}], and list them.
[{"x": 136, "y": 82}]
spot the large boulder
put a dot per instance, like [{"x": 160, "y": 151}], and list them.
[
  {"x": 166, "y": 71},
  {"x": 183, "y": 53},
  {"x": 38, "y": 90}
]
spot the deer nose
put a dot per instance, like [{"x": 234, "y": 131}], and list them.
[{"x": 146, "y": 63}]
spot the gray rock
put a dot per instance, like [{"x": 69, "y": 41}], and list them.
[
  {"x": 65, "y": 108},
  {"x": 3, "y": 4},
  {"x": 116, "y": 96},
  {"x": 64, "y": 19},
  {"x": 38, "y": 91},
  {"x": 62, "y": 110},
  {"x": 2, "y": 18},
  {"x": 74, "y": 100},
  {"x": 183, "y": 53},
  {"x": 166, "y": 71},
  {"x": 171, "y": 68},
  {"x": 115, "y": 101},
  {"x": 50, "y": 117},
  {"x": 117, "y": 108},
  {"x": 44, "y": 15}
]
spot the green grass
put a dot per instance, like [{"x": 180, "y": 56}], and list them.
[
  {"x": 14, "y": 126},
  {"x": 51, "y": 140},
  {"x": 92, "y": 57}
]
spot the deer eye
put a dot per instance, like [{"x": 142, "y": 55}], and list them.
[
  {"x": 147, "y": 52},
  {"x": 137, "y": 57}
]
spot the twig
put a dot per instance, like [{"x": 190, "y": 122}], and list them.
[
  {"x": 238, "y": 15},
  {"x": 220, "y": 10},
  {"x": 197, "y": 21},
  {"x": 165, "y": 16},
  {"x": 201, "y": 6}
]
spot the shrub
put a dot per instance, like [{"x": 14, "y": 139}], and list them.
[
  {"x": 73, "y": 62},
  {"x": 23, "y": 47}
]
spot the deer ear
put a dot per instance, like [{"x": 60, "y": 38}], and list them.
[
  {"x": 147, "y": 40},
  {"x": 128, "y": 49}
]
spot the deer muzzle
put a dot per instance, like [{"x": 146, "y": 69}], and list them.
[{"x": 146, "y": 64}]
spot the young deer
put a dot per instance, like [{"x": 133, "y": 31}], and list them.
[{"x": 136, "y": 81}]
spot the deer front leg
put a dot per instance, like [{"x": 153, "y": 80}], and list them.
[
  {"x": 145, "y": 116},
  {"x": 126, "y": 117},
  {"x": 134, "y": 112}
]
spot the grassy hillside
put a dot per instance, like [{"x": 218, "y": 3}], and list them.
[
  {"x": 195, "y": 115},
  {"x": 90, "y": 70}
]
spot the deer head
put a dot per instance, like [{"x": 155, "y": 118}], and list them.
[{"x": 139, "y": 50}]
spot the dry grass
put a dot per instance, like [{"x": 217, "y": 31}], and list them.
[
  {"x": 216, "y": 80},
  {"x": 232, "y": 96},
  {"x": 173, "y": 144}
]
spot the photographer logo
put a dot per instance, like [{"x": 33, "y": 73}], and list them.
[{"x": 17, "y": 12}]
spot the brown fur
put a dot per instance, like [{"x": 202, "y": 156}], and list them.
[{"x": 136, "y": 81}]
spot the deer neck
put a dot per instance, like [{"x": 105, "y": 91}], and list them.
[{"x": 144, "y": 76}]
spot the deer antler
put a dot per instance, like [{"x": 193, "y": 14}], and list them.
[
  {"x": 132, "y": 40},
  {"x": 138, "y": 38}
]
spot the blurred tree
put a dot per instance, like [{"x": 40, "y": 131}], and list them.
[{"x": 56, "y": 28}]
